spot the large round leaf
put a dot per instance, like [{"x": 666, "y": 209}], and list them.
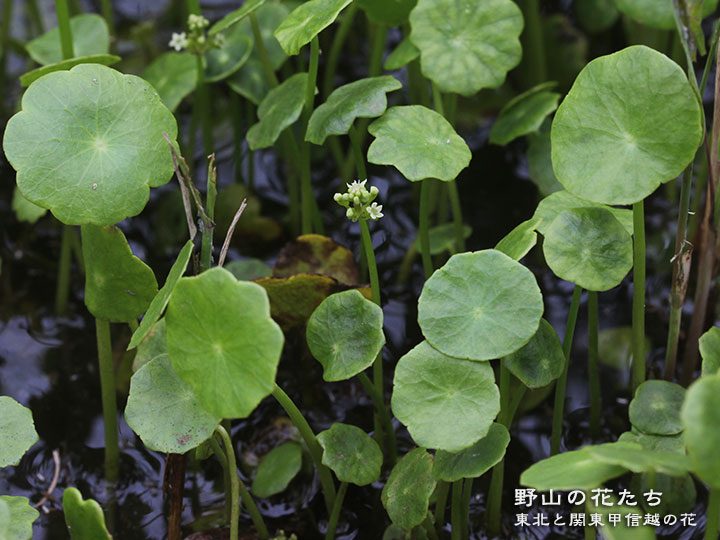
[
  {"x": 17, "y": 431},
  {"x": 393, "y": 13},
  {"x": 307, "y": 21},
  {"x": 524, "y": 114},
  {"x": 701, "y": 419},
  {"x": 466, "y": 46},
  {"x": 90, "y": 36},
  {"x": 556, "y": 203},
  {"x": 222, "y": 341},
  {"x": 419, "y": 142},
  {"x": 578, "y": 469},
  {"x": 164, "y": 411},
  {"x": 589, "y": 247},
  {"x": 657, "y": 13},
  {"x": 655, "y": 409},
  {"x": 610, "y": 136},
  {"x": 351, "y": 453},
  {"x": 27, "y": 78},
  {"x": 345, "y": 334},
  {"x": 710, "y": 351},
  {"x": 480, "y": 306},
  {"x": 21, "y": 518},
  {"x": 406, "y": 494},
  {"x": 174, "y": 76},
  {"x": 85, "y": 519},
  {"x": 475, "y": 460},
  {"x": 540, "y": 361},
  {"x": 277, "y": 469},
  {"x": 359, "y": 99},
  {"x": 445, "y": 402},
  {"x": 88, "y": 144},
  {"x": 280, "y": 108}
]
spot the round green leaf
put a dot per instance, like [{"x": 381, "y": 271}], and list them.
[
  {"x": 307, "y": 21},
  {"x": 467, "y": 46},
  {"x": 597, "y": 15},
  {"x": 540, "y": 361},
  {"x": 22, "y": 516},
  {"x": 475, "y": 460},
  {"x": 637, "y": 459},
  {"x": 88, "y": 144},
  {"x": 655, "y": 408},
  {"x": 406, "y": 494},
  {"x": 352, "y": 454},
  {"x": 345, "y": 334},
  {"x": 219, "y": 332},
  {"x": 17, "y": 431},
  {"x": 226, "y": 60},
  {"x": 446, "y": 403},
  {"x": 480, "y": 306},
  {"x": 392, "y": 13},
  {"x": 518, "y": 242},
  {"x": 359, "y": 99},
  {"x": 577, "y": 469},
  {"x": 31, "y": 76},
  {"x": 90, "y": 36},
  {"x": 710, "y": 351},
  {"x": 24, "y": 209},
  {"x": 589, "y": 247},
  {"x": 657, "y": 13},
  {"x": 556, "y": 203},
  {"x": 174, "y": 76},
  {"x": 280, "y": 108},
  {"x": 118, "y": 286},
  {"x": 701, "y": 422},
  {"x": 164, "y": 411},
  {"x": 402, "y": 55},
  {"x": 610, "y": 141},
  {"x": 84, "y": 519},
  {"x": 523, "y": 115},
  {"x": 419, "y": 142},
  {"x": 665, "y": 443},
  {"x": 277, "y": 469},
  {"x": 250, "y": 6}
]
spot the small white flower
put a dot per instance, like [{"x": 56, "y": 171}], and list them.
[
  {"x": 356, "y": 188},
  {"x": 374, "y": 211},
  {"x": 197, "y": 22},
  {"x": 178, "y": 41}
]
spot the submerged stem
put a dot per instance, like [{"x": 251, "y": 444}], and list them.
[
  {"x": 593, "y": 374},
  {"x": 335, "y": 515},
  {"x": 66, "y": 39},
  {"x": 494, "y": 506},
  {"x": 357, "y": 153},
  {"x": 336, "y": 48},
  {"x": 712, "y": 521},
  {"x": 62, "y": 292},
  {"x": 305, "y": 179},
  {"x": 384, "y": 416},
  {"x": 109, "y": 405},
  {"x": 440, "y": 502},
  {"x": 423, "y": 230},
  {"x": 638, "y": 313},
  {"x": 456, "y": 510}
]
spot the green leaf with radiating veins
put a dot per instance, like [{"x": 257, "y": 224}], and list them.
[
  {"x": 307, "y": 21},
  {"x": 90, "y": 36},
  {"x": 161, "y": 299},
  {"x": 446, "y": 403},
  {"x": 419, "y": 142},
  {"x": 345, "y": 334},
  {"x": 31, "y": 76},
  {"x": 277, "y": 469},
  {"x": 17, "y": 431},
  {"x": 655, "y": 408},
  {"x": 24, "y": 209},
  {"x": 589, "y": 247},
  {"x": 540, "y": 361},
  {"x": 402, "y": 55},
  {"x": 556, "y": 203},
  {"x": 248, "y": 7},
  {"x": 577, "y": 469},
  {"x": 222, "y": 62},
  {"x": 610, "y": 141},
  {"x": 467, "y": 45},
  {"x": 351, "y": 453},
  {"x": 406, "y": 494},
  {"x": 710, "y": 351},
  {"x": 701, "y": 419},
  {"x": 118, "y": 286},
  {"x": 165, "y": 411},
  {"x": 393, "y": 13},
  {"x": 480, "y": 306},
  {"x": 637, "y": 459},
  {"x": 174, "y": 76},
  {"x": 88, "y": 144},
  {"x": 359, "y": 99},
  {"x": 524, "y": 114},
  {"x": 21, "y": 517},
  {"x": 84, "y": 519},
  {"x": 657, "y": 13},
  {"x": 475, "y": 460},
  {"x": 219, "y": 332},
  {"x": 280, "y": 109},
  {"x": 518, "y": 242}
]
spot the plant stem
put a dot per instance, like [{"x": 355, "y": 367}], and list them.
[
  {"x": 107, "y": 13},
  {"x": 466, "y": 498},
  {"x": 335, "y": 515},
  {"x": 33, "y": 13},
  {"x": 206, "y": 248},
  {"x": 593, "y": 373},
  {"x": 109, "y": 405},
  {"x": 638, "y": 313},
  {"x": 442, "y": 492},
  {"x": 357, "y": 153},
  {"x": 249, "y": 118},
  {"x": 372, "y": 266},
  {"x": 562, "y": 381},
  {"x": 63, "y": 17},
  {"x": 713, "y": 515},
  {"x": 494, "y": 505},
  {"x": 305, "y": 179},
  {"x": 457, "y": 215},
  {"x": 456, "y": 510},
  {"x": 311, "y": 442},
  {"x": 262, "y": 52},
  {"x": 220, "y": 455},
  {"x": 62, "y": 292},
  {"x": 534, "y": 64},
  {"x": 384, "y": 416},
  {"x": 377, "y": 49},
  {"x": 424, "y": 231},
  {"x": 5, "y": 36},
  {"x": 338, "y": 41},
  {"x": 193, "y": 6},
  {"x": 202, "y": 97}
]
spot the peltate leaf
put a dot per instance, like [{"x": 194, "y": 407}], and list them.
[
  {"x": 90, "y": 36},
  {"x": 475, "y": 460},
  {"x": 406, "y": 506},
  {"x": 22, "y": 516},
  {"x": 710, "y": 351},
  {"x": 655, "y": 409},
  {"x": 17, "y": 431},
  {"x": 540, "y": 361},
  {"x": 352, "y": 455}
]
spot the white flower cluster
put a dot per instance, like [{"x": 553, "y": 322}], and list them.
[
  {"x": 359, "y": 201},
  {"x": 196, "y": 42}
]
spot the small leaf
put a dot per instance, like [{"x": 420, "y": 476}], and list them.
[
  {"x": 555, "y": 204},
  {"x": 307, "y": 21},
  {"x": 22, "y": 516},
  {"x": 475, "y": 460},
  {"x": 248, "y": 269},
  {"x": 596, "y": 15},
  {"x": 577, "y": 469},
  {"x": 406, "y": 495},
  {"x": 518, "y": 242},
  {"x": 280, "y": 109},
  {"x": 657, "y": 13},
  {"x": 664, "y": 443},
  {"x": 345, "y": 334},
  {"x": 402, "y": 55},
  {"x": 226, "y": 60},
  {"x": 24, "y": 209},
  {"x": 84, "y": 519},
  {"x": 442, "y": 238},
  {"x": 446, "y": 403},
  {"x": 655, "y": 409},
  {"x": 419, "y": 142},
  {"x": 524, "y": 114},
  {"x": 364, "y": 98},
  {"x": 90, "y": 36},
  {"x": 480, "y": 306},
  {"x": 352, "y": 455},
  {"x": 17, "y": 431},
  {"x": 467, "y": 46},
  {"x": 392, "y": 13},
  {"x": 277, "y": 469},
  {"x": 174, "y": 76},
  {"x": 118, "y": 286},
  {"x": 637, "y": 459},
  {"x": 588, "y": 247},
  {"x": 219, "y": 331},
  {"x": 701, "y": 422},
  {"x": 234, "y": 17},
  {"x": 540, "y": 361},
  {"x": 26, "y": 79},
  {"x": 710, "y": 351}
]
